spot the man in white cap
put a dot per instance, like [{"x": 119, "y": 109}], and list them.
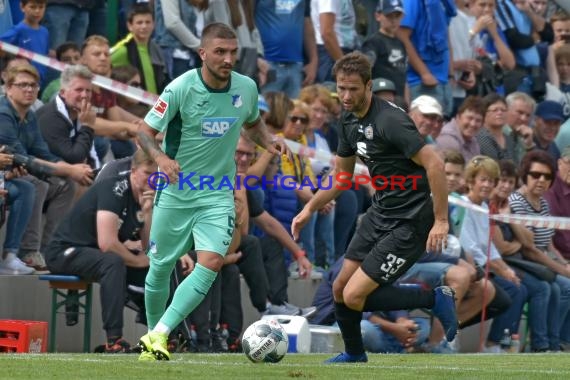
[{"x": 427, "y": 114}]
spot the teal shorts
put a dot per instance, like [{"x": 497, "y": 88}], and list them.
[{"x": 175, "y": 231}]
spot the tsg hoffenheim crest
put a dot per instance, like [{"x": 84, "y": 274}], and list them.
[{"x": 236, "y": 101}]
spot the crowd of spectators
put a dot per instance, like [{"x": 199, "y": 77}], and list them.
[{"x": 487, "y": 82}]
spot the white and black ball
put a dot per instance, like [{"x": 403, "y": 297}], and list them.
[{"x": 265, "y": 341}]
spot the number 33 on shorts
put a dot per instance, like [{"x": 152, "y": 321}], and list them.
[{"x": 393, "y": 264}]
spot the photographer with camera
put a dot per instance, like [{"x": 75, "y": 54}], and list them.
[
  {"x": 50, "y": 175},
  {"x": 524, "y": 29},
  {"x": 18, "y": 195}
]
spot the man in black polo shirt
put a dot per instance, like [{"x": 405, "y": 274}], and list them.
[
  {"x": 90, "y": 241},
  {"x": 400, "y": 225}
]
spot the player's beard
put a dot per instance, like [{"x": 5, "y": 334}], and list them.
[
  {"x": 217, "y": 75},
  {"x": 359, "y": 106}
]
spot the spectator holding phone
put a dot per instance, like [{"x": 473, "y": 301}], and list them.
[{"x": 490, "y": 45}]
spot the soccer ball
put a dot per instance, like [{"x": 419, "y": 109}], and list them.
[{"x": 265, "y": 341}]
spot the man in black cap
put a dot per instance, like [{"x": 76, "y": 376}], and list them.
[{"x": 548, "y": 117}]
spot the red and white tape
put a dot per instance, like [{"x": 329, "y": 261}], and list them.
[
  {"x": 321, "y": 156},
  {"x": 150, "y": 99},
  {"x": 101, "y": 81},
  {"x": 302, "y": 150},
  {"x": 556, "y": 222},
  {"x": 559, "y": 223}
]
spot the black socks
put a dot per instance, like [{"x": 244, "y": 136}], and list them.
[
  {"x": 349, "y": 323},
  {"x": 389, "y": 298},
  {"x": 385, "y": 298}
]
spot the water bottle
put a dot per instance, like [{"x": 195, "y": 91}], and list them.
[
  {"x": 506, "y": 341},
  {"x": 193, "y": 335},
  {"x": 515, "y": 344},
  {"x": 224, "y": 332}
]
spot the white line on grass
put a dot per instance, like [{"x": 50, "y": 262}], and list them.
[{"x": 184, "y": 359}]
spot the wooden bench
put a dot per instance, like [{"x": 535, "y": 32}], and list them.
[{"x": 60, "y": 285}]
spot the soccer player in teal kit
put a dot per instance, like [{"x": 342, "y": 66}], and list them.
[{"x": 201, "y": 114}]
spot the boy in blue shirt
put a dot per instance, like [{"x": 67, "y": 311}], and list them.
[{"x": 29, "y": 34}]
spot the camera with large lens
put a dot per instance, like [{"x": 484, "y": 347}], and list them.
[
  {"x": 19, "y": 160},
  {"x": 32, "y": 166}
]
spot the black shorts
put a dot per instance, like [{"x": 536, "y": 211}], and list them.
[{"x": 388, "y": 249}]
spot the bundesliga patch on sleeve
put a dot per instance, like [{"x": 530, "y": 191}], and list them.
[{"x": 159, "y": 108}]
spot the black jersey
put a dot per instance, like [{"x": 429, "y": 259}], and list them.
[
  {"x": 390, "y": 59},
  {"x": 120, "y": 167},
  {"x": 385, "y": 139},
  {"x": 79, "y": 227}
]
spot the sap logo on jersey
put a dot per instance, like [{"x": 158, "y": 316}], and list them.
[
  {"x": 285, "y": 6},
  {"x": 217, "y": 126}
]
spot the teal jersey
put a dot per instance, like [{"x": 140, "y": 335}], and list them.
[{"x": 201, "y": 129}]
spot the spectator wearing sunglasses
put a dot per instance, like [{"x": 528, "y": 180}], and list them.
[
  {"x": 321, "y": 224},
  {"x": 537, "y": 174}
]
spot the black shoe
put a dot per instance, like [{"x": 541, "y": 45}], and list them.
[
  {"x": 219, "y": 342},
  {"x": 100, "y": 349}
]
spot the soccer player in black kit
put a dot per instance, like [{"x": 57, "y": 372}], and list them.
[{"x": 401, "y": 223}]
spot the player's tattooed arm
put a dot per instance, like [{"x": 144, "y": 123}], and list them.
[
  {"x": 149, "y": 144},
  {"x": 146, "y": 138},
  {"x": 258, "y": 133}
]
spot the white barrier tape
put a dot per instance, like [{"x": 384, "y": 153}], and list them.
[
  {"x": 321, "y": 156},
  {"x": 302, "y": 150},
  {"x": 101, "y": 81},
  {"x": 556, "y": 222},
  {"x": 150, "y": 99}
]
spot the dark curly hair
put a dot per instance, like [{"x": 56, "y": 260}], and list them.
[{"x": 536, "y": 156}]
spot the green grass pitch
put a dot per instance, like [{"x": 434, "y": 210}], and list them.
[{"x": 293, "y": 366}]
